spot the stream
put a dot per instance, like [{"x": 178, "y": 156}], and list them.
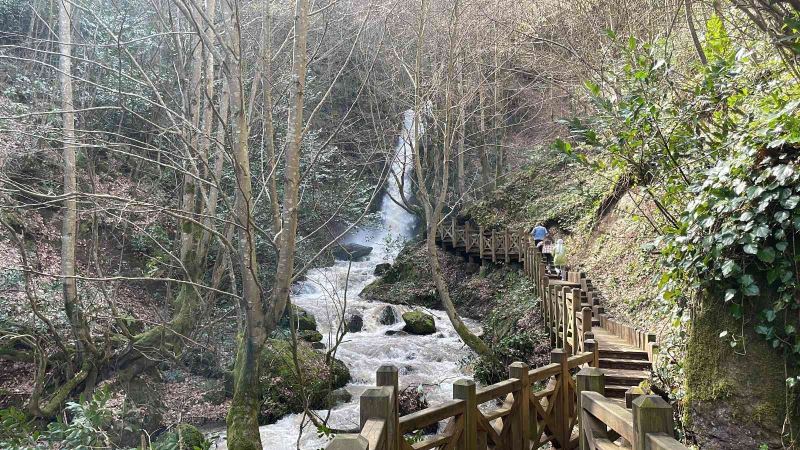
[{"x": 432, "y": 361}]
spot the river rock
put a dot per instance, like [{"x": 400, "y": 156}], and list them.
[
  {"x": 318, "y": 346},
  {"x": 381, "y": 269},
  {"x": 355, "y": 323},
  {"x": 395, "y": 333},
  {"x": 418, "y": 322},
  {"x": 310, "y": 335},
  {"x": 305, "y": 320},
  {"x": 281, "y": 388},
  {"x": 388, "y": 316},
  {"x": 352, "y": 252}
]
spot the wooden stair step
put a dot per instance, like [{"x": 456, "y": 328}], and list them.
[
  {"x": 637, "y": 355},
  {"x": 632, "y": 364},
  {"x": 615, "y": 391},
  {"x": 622, "y": 377}
]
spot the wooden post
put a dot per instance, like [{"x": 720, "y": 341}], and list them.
[
  {"x": 465, "y": 390},
  {"x": 507, "y": 245},
  {"x": 375, "y": 403},
  {"x": 348, "y": 442},
  {"x": 480, "y": 241},
  {"x": 561, "y": 406},
  {"x": 520, "y": 421},
  {"x": 586, "y": 323},
  {"x": 590, "y": 345},
  {"x": 388, "y": 376},
  {"x": 651, "y": 414},
  {"x": 494, "y": 246},
  {"x": 589, "y": 379},
  {"x": 576, "y": 307},
  {"x": 632, "y": 394}
]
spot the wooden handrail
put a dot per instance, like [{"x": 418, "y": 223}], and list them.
[
  {"x": 527, "y": 418},
  {"x": 648, "y": 426}
]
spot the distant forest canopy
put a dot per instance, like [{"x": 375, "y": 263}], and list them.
[{"x": 169, "y": 170}]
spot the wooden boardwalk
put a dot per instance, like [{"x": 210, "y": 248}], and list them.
[{"x": 588, "y": 396}]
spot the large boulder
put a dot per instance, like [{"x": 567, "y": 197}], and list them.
[
  {"x": 310, "y": 335},
  {"x": 281, "y": 389},
  {"x": 182, "y": 437},
  {"x": 382, "y": 269},
  {"x": 418, "y": 322},
  {"x": 387, "y": 316},
  {"x": 355, "y": 323},
  {"x": 304, "y": 319},
  {"x": 352, "y": 252}
]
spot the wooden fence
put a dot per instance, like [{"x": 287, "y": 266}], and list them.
[{"x": 533, "y": 407}]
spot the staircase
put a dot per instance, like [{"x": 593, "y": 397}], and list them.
[{"x": 624, "y": 366}]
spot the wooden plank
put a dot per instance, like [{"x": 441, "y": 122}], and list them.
[
  {"x": 374, "y": 431},
  {"x": 613, "y": 415},
  {"x": 433, "y": 414},
  {"x": 581, "y": 358},
  {"x": 497, "y": 390},
  {"x": 544, "y": 372},
  {"x": 431, "y": 442},
  {"x": 663, "y": 441}
]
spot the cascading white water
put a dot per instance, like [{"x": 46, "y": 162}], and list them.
[{"x": 432, "y": 361}]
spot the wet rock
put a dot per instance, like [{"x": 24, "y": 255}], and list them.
[
  {"x": 281, "y": 388},
  {"x": 318, "y": 346},
  {"x": 352, "y": 252},
  {"x": 338, "y": 397},
  {"x": 310, "y": 335},
  {"x": 395, "y": 333},
  {"x": 381, "y": 269},
  {"x": 304, "y": 319},
  {"x": 355, "y": 323},
  {"x": 418, "y": 322},
  {"x": 388, "y": 316}
]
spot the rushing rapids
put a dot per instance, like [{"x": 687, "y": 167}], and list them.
[{"x": 332, "y": 292}]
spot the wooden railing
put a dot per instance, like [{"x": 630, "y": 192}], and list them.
[
  {"x": 645, "y": 422},
  {"x": 531, "y": 408}
]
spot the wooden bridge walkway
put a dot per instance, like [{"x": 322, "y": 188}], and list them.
[{"x": 588, "y": 396}]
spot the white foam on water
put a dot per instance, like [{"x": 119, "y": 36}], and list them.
[{"x": 432, "y": 361}]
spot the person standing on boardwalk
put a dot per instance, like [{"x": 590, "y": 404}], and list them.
[{"x": 539, "y": 232}]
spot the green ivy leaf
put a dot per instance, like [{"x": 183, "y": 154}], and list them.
[
  {"x": 767, "y": 255},
  {"x": 729, "y": 294},
  {"x": 751, "y": 290},
  {"x": 750, "y": 249},
  {"x": 769, "y": 314}
]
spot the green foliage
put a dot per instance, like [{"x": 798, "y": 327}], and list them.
[
  {"x": 84, "y": 426},
  {"x": 17, "y": 432},
  {"x": 89, "y": 424},
  {"x": 513, "y": 331}
]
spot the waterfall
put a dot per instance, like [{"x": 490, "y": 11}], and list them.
[
  {"x": 432, "y": 360},
  {"x": 396, "y": 219}
]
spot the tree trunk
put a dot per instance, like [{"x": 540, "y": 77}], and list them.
[
  {"x": 687, "y": 4},
  {"x": 69, "y": 227},
  {"x": 291, "y": 189}
]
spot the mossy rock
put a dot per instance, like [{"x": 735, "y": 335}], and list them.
[
  {"x": 735, "y": 400},
  {"x": 310, "y": 335},
  {"x": 284, "y": 391},
  {"x": 304, "y": 319},
  {"x": 418, "y": 322},
  {"x": 182, "y": 437}
]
